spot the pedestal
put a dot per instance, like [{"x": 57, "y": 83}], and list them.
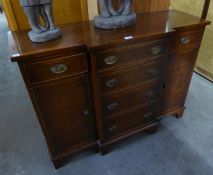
[
  {"x": 115, "y": 22},
  {"x": 45, "y": 36}
]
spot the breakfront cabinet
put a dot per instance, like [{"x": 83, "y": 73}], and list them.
[{"x": 92, "y": 87}]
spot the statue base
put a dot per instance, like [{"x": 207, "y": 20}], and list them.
[
  {"x": 45, "y": 36},
  {"x": 115, "y": 22}
]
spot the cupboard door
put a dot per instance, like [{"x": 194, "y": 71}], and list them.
[
  {"x": 179, "y": 74},
  {"x": 66, "y": 113}
]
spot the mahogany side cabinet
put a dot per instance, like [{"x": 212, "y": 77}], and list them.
[{"x": 92, "y": 87}]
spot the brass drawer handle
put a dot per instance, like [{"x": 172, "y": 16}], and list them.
[
  {"x": 152, "y": 72},
  {"x": 113, "y": 106},
  {"x": 156, "y": 50},
  {"x": 150, "y": 94},
  {"x": 112, "y": 83},
  {"x": 59, "y": 68},
  {"x": 185, "y": 40},
  {"x": 148, "y": 115},
  {"x": 111, "y": 60},
  {"x": 113, "y": 128}
]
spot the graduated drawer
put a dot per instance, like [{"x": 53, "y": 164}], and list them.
[
  {"x": 185, "y": 40},
  {"x": 56, "y": 68},
  {"x": 131, "y": 55},
  {"x": 112, "y": 104},
  {"x": 130, "y": 120},
  {"x": 129, "y": 78}
]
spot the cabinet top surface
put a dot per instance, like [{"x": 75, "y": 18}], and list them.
[{"x": 79, "y": 36}]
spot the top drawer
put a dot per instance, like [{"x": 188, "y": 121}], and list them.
[
  {"x": 185, "y": 40},
  {"x": 131, "y": 55},
  {"x": 55, "y": 68}
]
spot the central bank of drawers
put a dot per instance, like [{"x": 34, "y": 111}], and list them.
[{"x": 130, "y": 80}]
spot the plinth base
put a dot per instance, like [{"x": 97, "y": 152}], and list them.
[
  {"x": 115, "y": 22},
  {"x": 45, "y": 36}
]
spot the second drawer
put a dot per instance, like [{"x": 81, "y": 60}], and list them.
[{"x": 131, "y": 77}]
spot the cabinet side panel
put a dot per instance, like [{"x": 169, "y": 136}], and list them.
[{"x": 181, "y": 62}]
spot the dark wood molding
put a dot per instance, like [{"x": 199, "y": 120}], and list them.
[{"x": 205, "y": 9}]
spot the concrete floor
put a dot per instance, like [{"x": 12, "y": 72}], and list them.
[{"x": 181, "y": 147}]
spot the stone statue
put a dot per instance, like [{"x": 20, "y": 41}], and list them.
[
  {"x": 34, "y": 9},
  {"x": 107, "y": 9},
  {"x": 109, "y": 18},
  {"x": 125, "y": 8}
]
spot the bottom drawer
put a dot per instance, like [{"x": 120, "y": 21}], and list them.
[{"x": 126, "y": 121}]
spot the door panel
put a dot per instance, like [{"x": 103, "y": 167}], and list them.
[
  {"x": 66, "y": 110},
  {"x": 179, "y": 73}
]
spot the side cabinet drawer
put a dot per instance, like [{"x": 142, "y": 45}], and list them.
[
  {"x": 186, "y": 40},
  {"x": 56, "y": 68}
]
